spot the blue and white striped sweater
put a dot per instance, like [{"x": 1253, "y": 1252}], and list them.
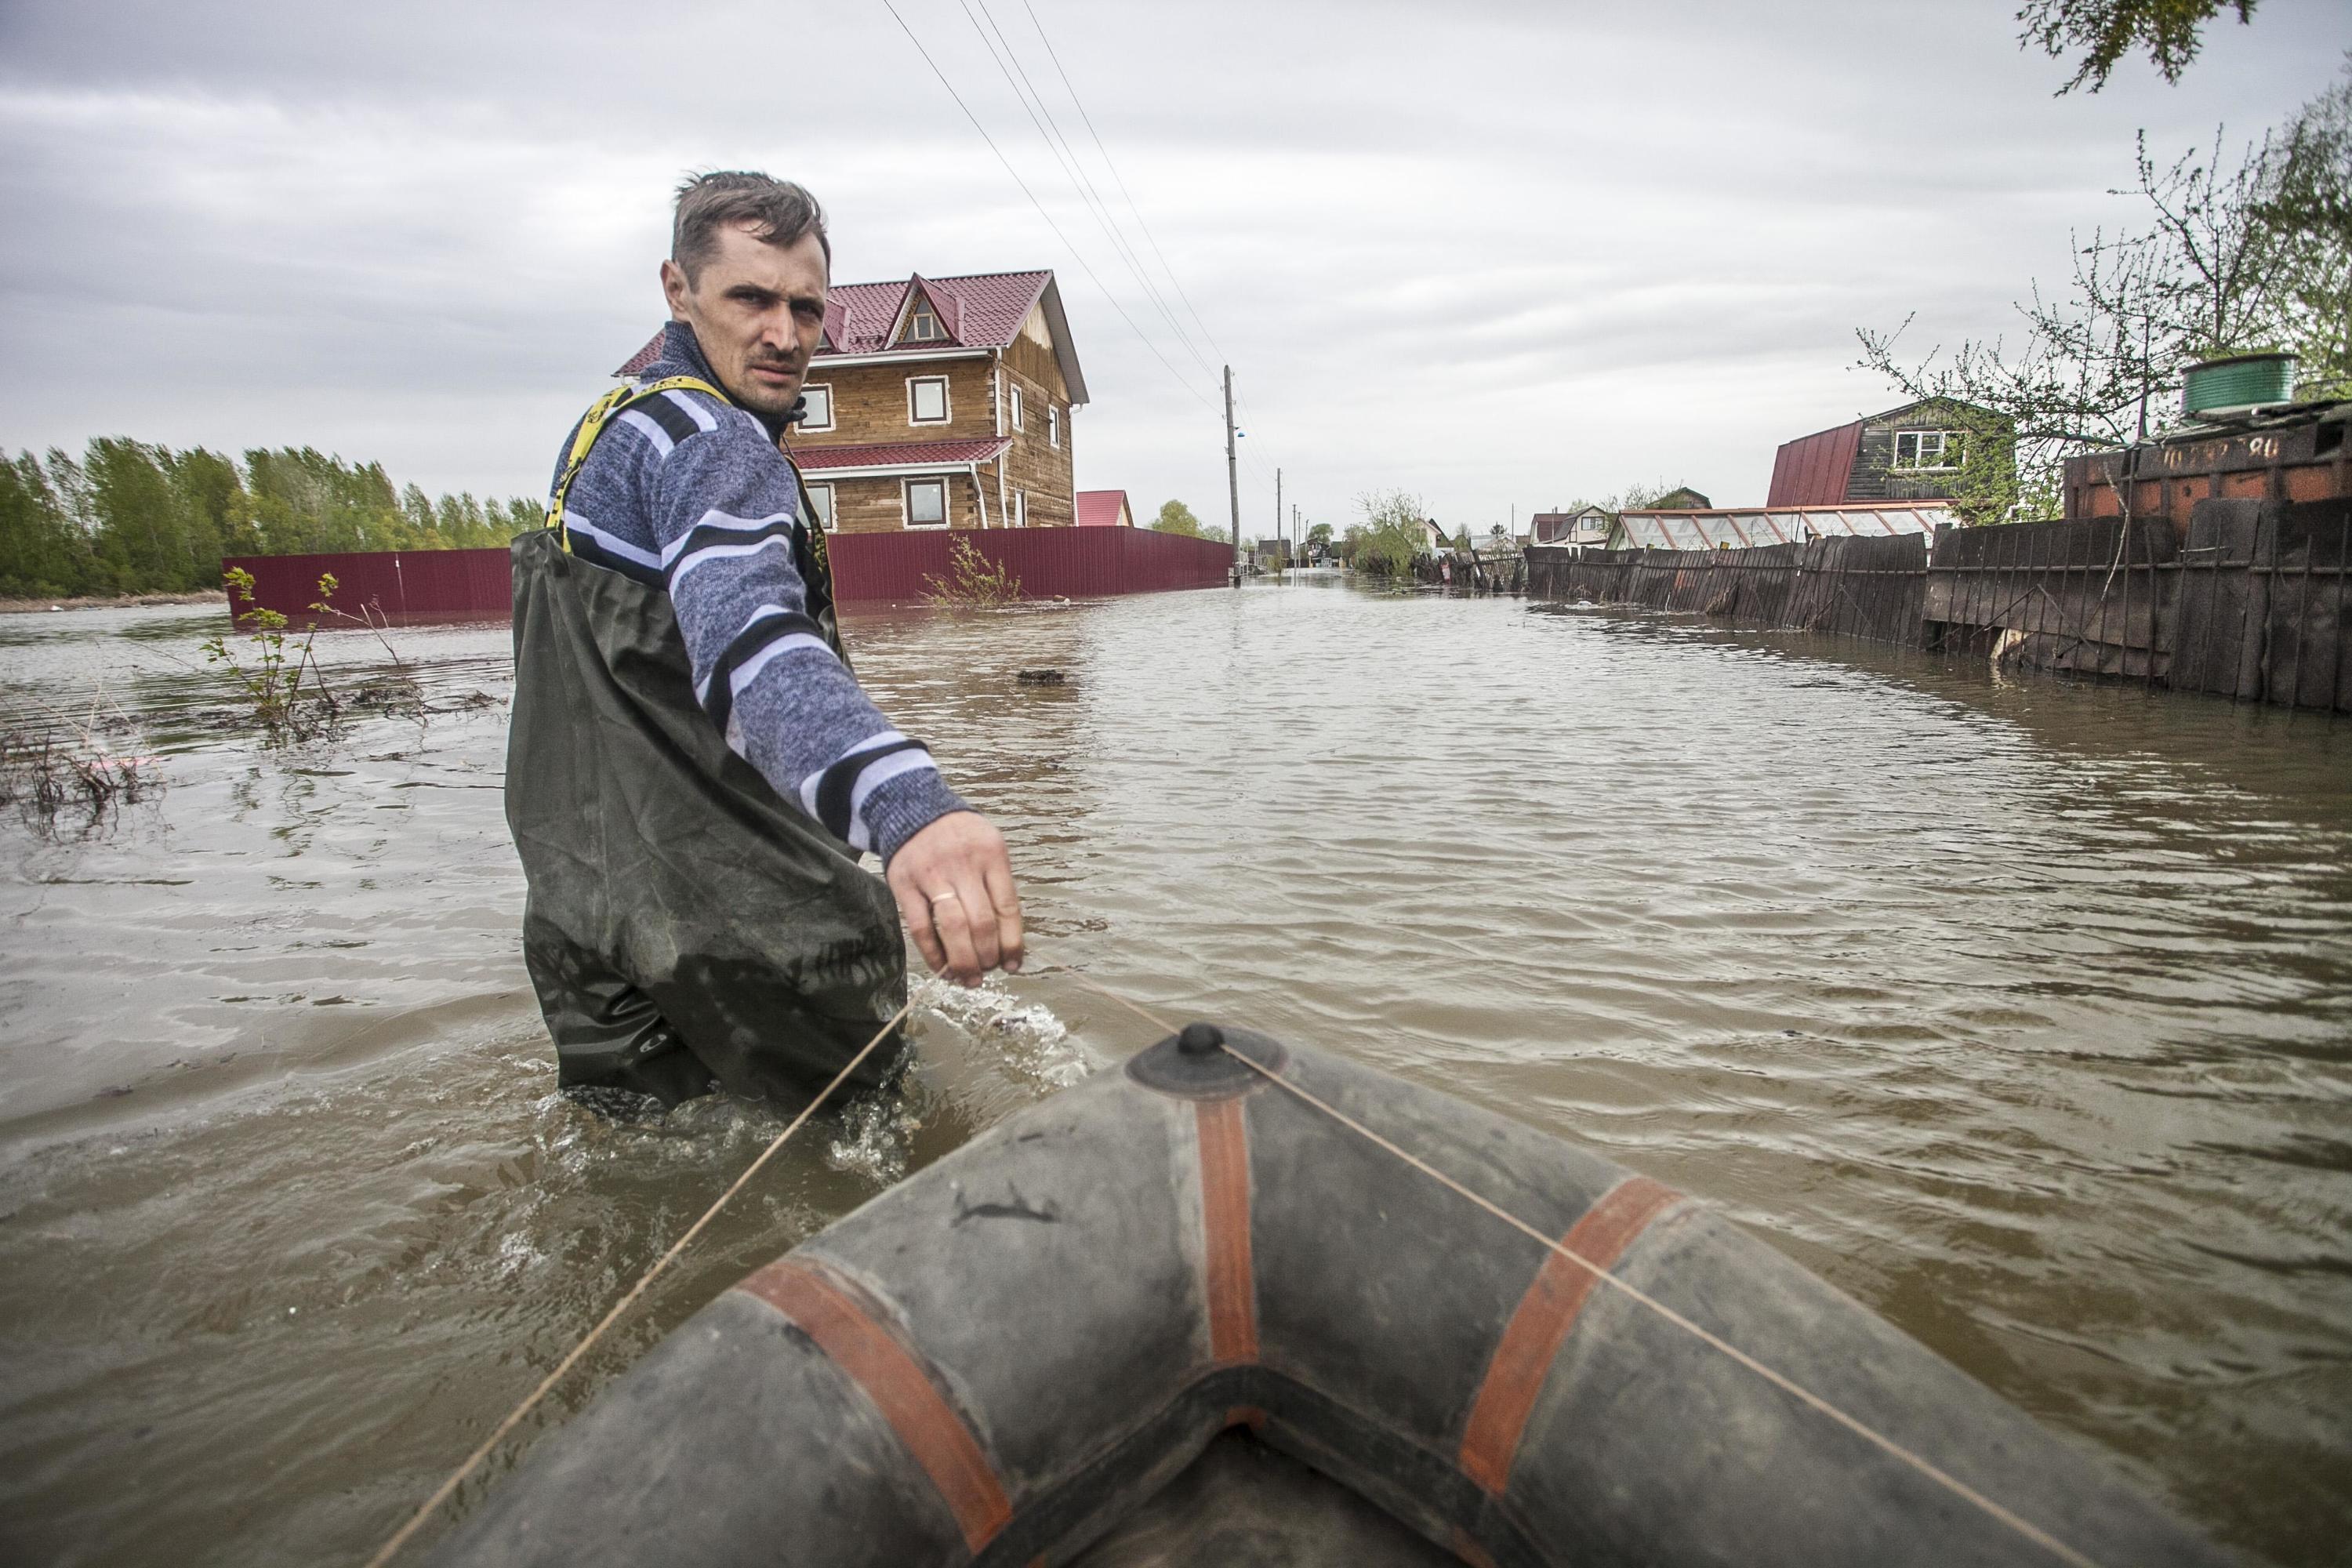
[{"x": 687, "y": 493}]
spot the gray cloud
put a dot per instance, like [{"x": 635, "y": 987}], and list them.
[{"x": 1496, "y": 253}]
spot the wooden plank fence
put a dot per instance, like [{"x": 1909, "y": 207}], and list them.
[{"x": 2249, "y": 602}]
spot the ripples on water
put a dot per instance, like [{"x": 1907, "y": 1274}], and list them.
[{"x": 2023, "y": 1011}]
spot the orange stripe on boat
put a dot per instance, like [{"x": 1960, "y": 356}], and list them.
[
  {"x": 1546, "y": 1314},
  {"x": 891, "y": 1376},
  {"x": 1232, "y": 1285}
]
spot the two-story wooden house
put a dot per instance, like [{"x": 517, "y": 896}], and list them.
[{"x": 939, "y": 403}]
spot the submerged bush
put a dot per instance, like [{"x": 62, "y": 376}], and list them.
[{"x": 974, "y": 582}]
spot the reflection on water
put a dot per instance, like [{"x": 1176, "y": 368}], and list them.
[{"x": 2023, "y": 1011}]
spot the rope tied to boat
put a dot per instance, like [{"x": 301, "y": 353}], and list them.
[
  {"x": 1600, "y": 1273},
  {"x": 1603, "y": 1275},
  {"x": 400, "y": 1537}
]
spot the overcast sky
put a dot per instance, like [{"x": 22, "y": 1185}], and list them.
[{"x": 1497, "y": 255}]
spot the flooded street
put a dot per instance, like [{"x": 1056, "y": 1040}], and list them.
[{"x": 2020, "y": 1010}]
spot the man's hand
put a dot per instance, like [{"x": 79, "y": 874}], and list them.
[{"x": 954, "y": 888}]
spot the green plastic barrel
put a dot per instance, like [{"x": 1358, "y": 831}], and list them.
[{"x": 2241, "y": 381}]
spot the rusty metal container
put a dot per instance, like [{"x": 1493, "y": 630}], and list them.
[{"x": 2298, "y": 457}]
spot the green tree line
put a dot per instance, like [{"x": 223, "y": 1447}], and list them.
[{"x": 128, "y": 517}]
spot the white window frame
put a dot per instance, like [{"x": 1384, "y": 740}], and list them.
[
  {"x": 1053, "y": 426},
  {"x": 1017, "y": 424},
  {"x": 1020, "y": 508},
  {"x": 907, "y": 501},
  {"x": 810, "y": 424},
  {"x": 947, "y": 406},
  {"x": 920, "y": 310},
  {"x": 1948, "y": 445},
  {"x": 821, "y": 502}
]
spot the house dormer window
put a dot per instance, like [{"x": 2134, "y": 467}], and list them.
[
  {"x": 923, "y": 324},
  {"x": 1928, "y": 451}
]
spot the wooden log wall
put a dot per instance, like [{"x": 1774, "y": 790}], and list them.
[{"x": 2252, "y": 604}]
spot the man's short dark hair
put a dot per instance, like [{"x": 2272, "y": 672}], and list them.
[{"x": 777, "y": 211}]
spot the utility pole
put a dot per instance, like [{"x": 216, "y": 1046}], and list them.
[
  {"x": 1233, "y": 477},
  {"x": 1281, "y": 536}
]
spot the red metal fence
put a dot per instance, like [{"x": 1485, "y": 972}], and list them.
[
  {"x": 404, "y": 584},
  {"x": 1073, "y": 563},
  {"x": 474, "y": 585}
]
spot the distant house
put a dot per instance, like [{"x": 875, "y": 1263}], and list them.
[
  {"x": 937, "y": 403},
  {"x": 1104, "y": 509},
  {"x": 1433, "y": 539},
  {"x": 1682, "y": 497},
  {"x": 1587, "y": 527},
  {"x": 1911, "y": 453}
]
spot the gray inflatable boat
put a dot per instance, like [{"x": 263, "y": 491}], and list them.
[{"x": 1185, "y": 1314}]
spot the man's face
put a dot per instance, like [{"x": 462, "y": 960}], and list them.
[{"x": 757, "y": 310}]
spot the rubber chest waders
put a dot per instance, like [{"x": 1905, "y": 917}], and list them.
[{"x": 685, "y": 928}]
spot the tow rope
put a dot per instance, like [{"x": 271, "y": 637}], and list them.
[
  {"x": 1787, "y": 1384},
  {"x": 385, "y": 1552},
  {"x": 1918, "y": 1462}
]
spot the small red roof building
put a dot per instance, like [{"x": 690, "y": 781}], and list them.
[{"x": 1104, "y": 509}]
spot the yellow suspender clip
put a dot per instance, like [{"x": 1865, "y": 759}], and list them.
[{"x": 600, "y": 414}]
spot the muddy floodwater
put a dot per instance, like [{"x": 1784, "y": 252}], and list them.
[{"x": 2020, "y": 1010}]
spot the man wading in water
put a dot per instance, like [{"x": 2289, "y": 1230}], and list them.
[{"x": 692, "y": 766}]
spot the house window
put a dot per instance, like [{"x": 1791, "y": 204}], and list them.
[
  {"x": 927, "y": 503},
  {"x": 821, "y": 503},
  {"x": 1053, "y": 426},
  {"x": 1020, "y": 508},
  {"x": 927, "y": 400},
  {"x": 1927, "y": 451},
  {"x": 816, "y": 404},
  {"x": 923, "y": 324},
  {"x": 1016, "y": 408}
]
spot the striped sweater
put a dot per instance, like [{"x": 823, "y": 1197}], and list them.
[{"x": 689, "y": 494}]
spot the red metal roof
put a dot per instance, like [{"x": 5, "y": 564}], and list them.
[
  {"x": 981, "y": 311},
  {"x": 1101, "y": 508},
  {"x": 642, "y": 360},
  {"x": 1813, "y": 470},
  {"x": 902, "y": 454}
]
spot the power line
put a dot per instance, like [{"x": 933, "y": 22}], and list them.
[
  {"x": 1076, "y": 254},
  {"x": 1049, "y": 130},
  {"x": 1128, "y": 195},
  {"x": 1112, "y": 164}
]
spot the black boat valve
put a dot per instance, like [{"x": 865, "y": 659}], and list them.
[{"x": 1205, "y": 1061}]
